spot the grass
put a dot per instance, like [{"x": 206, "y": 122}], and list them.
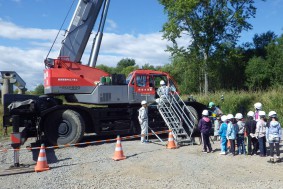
[{"x": 243, "y": 101}]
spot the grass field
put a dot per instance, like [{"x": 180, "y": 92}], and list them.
[{"x": 243, "y": 101}]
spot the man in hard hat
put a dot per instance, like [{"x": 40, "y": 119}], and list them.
[
  {"x": 215, "y": 111},
  {"x": 205, "y": 126},
  {"x": 163, "y": 92},
  {"x": 143, "y": 120},
  {"x": 258, "y": 107}
]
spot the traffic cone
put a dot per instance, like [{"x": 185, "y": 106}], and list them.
[
  {"x": 171, "y": 144},
  {"x": 41, "y": 164},
  {"x": 118, "y": 155}
]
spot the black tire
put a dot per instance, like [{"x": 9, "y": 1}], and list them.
[
  {"x": 194, "y": 119},
  {"x": 64, "y": 127}
]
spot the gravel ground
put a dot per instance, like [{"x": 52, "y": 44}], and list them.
[{"x": 147, "y": 166}]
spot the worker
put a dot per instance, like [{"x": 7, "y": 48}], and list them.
[
  {"x": 163, "y": 92},
  {"x": 260, "y": 133},
  {"x": 273, "y": 136},
  {"x": 215, "y": 111},
  {"x": 258, "y": 107},
  {"x": 143, "y": 120},
  {"x": 250, "y": 127},
  {"x": 205, "y": 126}
]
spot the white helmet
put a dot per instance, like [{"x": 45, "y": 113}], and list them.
[
  {"x": 205, "y": 112},
  {"x": 143, "y": 102},
  {"x": 239, "y": 116},
  {"x": 230, "y": 116},
  {"x": 261, "y": 113},
  {"x": 272, "y": 114},
  {"x": 250, "y": 114},
  {"x": 224, "y": 118},
  {"x": 162, "y": 82},
  {"x": 258, "y": 105}
]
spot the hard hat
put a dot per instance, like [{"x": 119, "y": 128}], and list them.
[
  {"x": 230, "y": 116},
  {"x": 205, "y": 112},
  {"x": 224, "y": 118},
  {"x": 211, "y": 104},
  {"x": 250, "y": 114},
  {"x": 258, "y": 105},
  {"x": 261, "y": 113},
  {"x": 272, "y": 114},
  {"x": 239, "y": 116},
  {"x": 162, "y": 82},
  {"x": 143, "y": 102}
]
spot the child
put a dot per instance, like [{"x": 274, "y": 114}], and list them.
[
  {"x": 250, "y": 126},
  {"x": 231, "y": 133},
  {"x": 240, "y": 137},
  {"x": 217, "y": 123},
  {"x": 260, "y": 133},
  {"x": 205, "y": 126},
  {"x": 273, "y": 136},
  {"x": 222, "y": 132}
]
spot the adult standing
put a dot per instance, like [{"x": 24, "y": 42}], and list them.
[
  {"x": 143, "y": 120},
  {"x": 250, "y": 126},
  {"x": 273, "y": 136},
  {"x": 205, "y": 126}
]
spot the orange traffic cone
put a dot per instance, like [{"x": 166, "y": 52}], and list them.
[
  {"x": 118, "y": 155},
  {"x": 171, "y": 144},
  {"x": 41, "y": 164}
]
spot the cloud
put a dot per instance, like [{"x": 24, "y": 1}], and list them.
[
  {"x": 13, "y": 31},
  {"x": 111, "y": 25},
  {"x": 27, "y": 61}
]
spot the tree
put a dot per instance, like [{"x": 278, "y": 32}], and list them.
[
  {"x": 39, "y": 90},
  {"x": 123, "y": 63},
  {"x": 209, "y": 23}
]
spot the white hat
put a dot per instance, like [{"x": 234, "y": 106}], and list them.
[
  {"x": 162, "y": 82},
  {"x": 272, "y": 114},
  {"x": 261, "y": 113},
  {"x": 230, "y": 116},
  {"x": 250, "y": 114},
  {"x": 224, "y": 118},
  {"x": 143, "y": 102},
  {"x": 205, "y": 112},
  {"x": 258, "y": 105},
  {"x": 239, "y": 116}
]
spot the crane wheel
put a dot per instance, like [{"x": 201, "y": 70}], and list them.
[{"x": 64, "y": 127}]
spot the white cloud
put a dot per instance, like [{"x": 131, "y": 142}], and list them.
[
  {"x": 111, "y": 25},
  {"x": 27, "y": 61},
  {"x": 11, "y": 31}
]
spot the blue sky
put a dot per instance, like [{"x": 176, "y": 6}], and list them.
[{"x": 28, "y": 28}]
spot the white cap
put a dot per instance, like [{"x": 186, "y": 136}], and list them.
[
  {"x": 162, "y": 82},
  {"x": 250, "y": 114},
  {"x": 224, "y": 118},
  {"x": 143, "y": 102},
  {"x": 272, "y": 114},
  {"x": 230, "y": 116},
  {"x": 261, "y": 113},
  {"x": 205, "y": 112},
  {"x": 239, "y": 116},
  {"x": 258, "y": 105}
]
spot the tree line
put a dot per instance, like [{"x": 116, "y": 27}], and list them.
[{"x": 256, "y": 65}]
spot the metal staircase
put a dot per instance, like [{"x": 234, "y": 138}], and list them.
[{"x": 177, "y": 116}]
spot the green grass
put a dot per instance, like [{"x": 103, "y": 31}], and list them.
[{"x": 243, "y": 101}]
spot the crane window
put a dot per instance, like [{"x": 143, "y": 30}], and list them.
[{"x": 141, "y": 80}]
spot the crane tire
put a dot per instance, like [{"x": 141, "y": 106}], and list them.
[{"x": 64, "y": 127}]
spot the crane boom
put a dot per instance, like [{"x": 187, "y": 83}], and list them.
[{"x": 80, "y": 29}]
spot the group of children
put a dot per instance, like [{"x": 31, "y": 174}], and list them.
[{"x": 253, "y": 132}]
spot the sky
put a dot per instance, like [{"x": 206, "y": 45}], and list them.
[{"x": 133, "y": 30}]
